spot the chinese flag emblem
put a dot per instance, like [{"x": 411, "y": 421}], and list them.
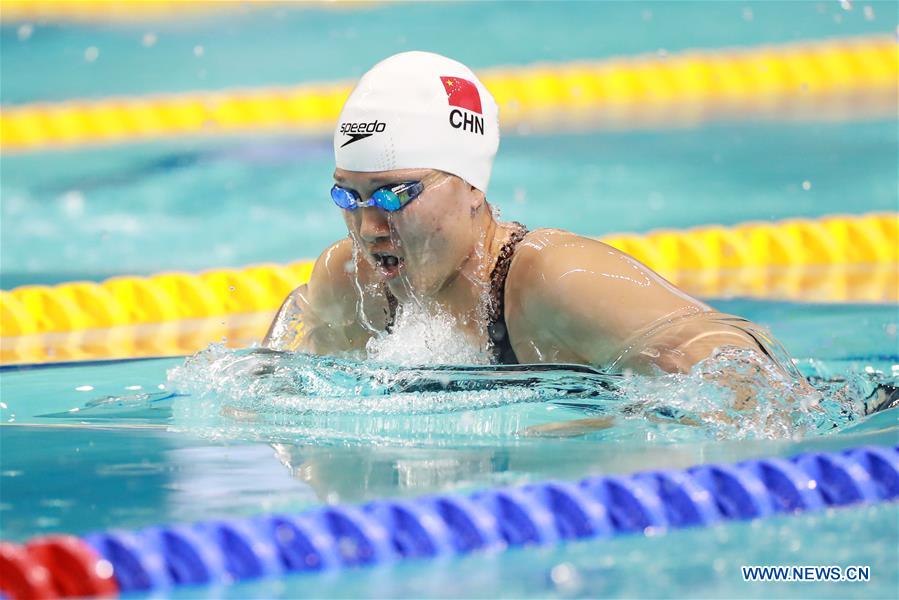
[{"x": 462, "y": 93}]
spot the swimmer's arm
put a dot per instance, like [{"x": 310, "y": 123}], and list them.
[{"x": 577, "y": 299}]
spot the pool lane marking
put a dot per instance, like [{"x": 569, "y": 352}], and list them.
[{"x": 832, "y": 258}]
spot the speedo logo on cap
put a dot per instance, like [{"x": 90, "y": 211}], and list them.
[
  {"x": 463, "y": 94},
  {"x": 360, "y": 130}
]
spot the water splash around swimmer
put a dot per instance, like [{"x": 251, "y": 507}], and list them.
[{"x": 275, "y": 393}]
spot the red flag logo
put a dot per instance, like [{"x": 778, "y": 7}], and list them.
[{"x": 462, "y": 93}]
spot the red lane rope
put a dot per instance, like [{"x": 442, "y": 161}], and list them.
[
  {"x": 22, "y": 575},
  {"x": 75, "y": 568}
]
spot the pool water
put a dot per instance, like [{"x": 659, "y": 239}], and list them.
[
  {"x": 128, "y": 444},
  {"x": 145, "y": 463},
  {"x": 198, "y": 204},
  {"x": 253, "y": 46}
]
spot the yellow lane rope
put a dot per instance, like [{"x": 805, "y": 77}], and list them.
[
  {"x": 835, "y": 258},
  {"x": 132, "y": 11},
  {"x": 840, "y": 78}
]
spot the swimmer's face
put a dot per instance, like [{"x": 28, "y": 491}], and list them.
[{"x": 420, "y": 248}]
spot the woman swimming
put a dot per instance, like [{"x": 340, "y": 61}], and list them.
[{"x": 414, "y": 148}]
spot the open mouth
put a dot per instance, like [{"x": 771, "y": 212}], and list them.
[{"x": 389, "y": 264}]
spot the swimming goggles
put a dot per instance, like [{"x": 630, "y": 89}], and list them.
[{"x": 390, "y": 197}]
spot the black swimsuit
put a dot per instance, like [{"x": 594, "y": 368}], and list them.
[{"x": 496, "y": 326}]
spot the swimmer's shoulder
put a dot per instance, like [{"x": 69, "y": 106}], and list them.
[
  {"x": 334, "y": 288},
  {"x": 331, "y": 289},
  {"x": 553, "y": 270},
  {"x": 540, "y": 259},
  {"x": 537, "y": 309},
  {"x": 543, "y": 251}
]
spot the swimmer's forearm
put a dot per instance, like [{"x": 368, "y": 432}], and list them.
[{"x": 679, "y": 351}]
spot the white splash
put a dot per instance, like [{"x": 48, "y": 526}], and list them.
[
  {"x": 422, "y": 336},
  {"x": 734, "y": 394}
]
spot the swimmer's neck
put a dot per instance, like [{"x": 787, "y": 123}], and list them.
[{"x": 467, "y": 290}]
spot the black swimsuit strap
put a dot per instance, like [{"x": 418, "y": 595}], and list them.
[
  {"x": 496, "y": 327},
  {"x": 501, "y": 271}
]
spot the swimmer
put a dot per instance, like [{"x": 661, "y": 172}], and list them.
[{"x": 414, "y": 148}]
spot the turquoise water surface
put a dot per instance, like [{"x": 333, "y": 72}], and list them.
[
  {"x": 194, "y": 204},
  {"x": 260, "y": 46}
]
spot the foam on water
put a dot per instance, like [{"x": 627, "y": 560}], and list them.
[
  {"x": 425, "y": 336},
  {"x": 736, "y": 394}
]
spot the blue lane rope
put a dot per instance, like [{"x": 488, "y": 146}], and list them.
[{"x": 387, "y": 530}]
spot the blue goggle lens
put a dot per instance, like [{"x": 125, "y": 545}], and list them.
[
  {"x": 390, "y": 199},
  {"x": 344, "y": 198},
  {"x": 387, "y": 199}
]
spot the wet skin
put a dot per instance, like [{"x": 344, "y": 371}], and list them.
[{"x": 567, "y": 298}]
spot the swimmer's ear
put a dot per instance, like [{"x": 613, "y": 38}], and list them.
[{"x": 477, "y": 199}]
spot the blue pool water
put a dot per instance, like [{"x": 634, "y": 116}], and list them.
[
  {"x": 192, "y": 205},
  {"x": 147, "y": 465},
  {"x": 132, "y": 456},
  {"x": 261, "y": 46}
]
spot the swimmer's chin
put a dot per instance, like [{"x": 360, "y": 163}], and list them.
[{"x": 407, "y": 287}]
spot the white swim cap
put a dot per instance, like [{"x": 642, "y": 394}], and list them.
[{"x": 418, "y": 110}]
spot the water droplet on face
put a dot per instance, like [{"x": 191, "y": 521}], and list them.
[{"x": 806, "y": 185}]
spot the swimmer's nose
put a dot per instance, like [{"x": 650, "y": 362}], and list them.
[{"x": 374, "y": 224}]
